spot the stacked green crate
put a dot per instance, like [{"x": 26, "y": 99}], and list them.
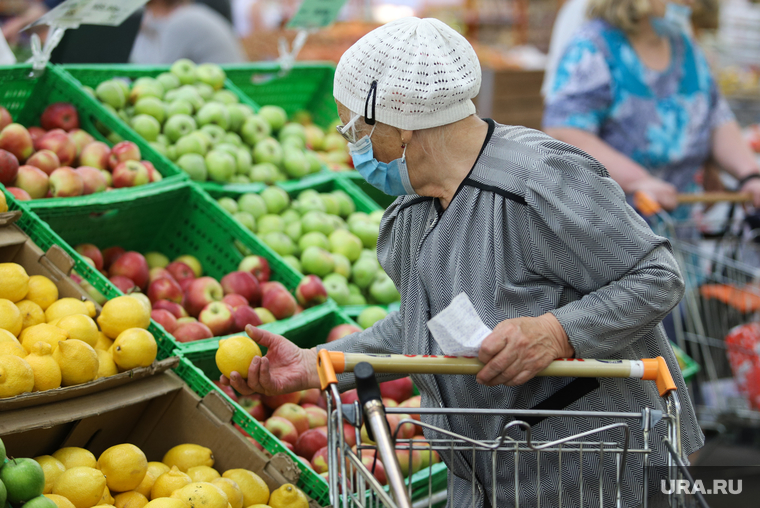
[{"x": 26, "y": 95}]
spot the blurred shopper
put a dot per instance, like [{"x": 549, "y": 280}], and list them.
[
  {"x": 570, "y": 18},
  {"x": 35, "y": 9},
  {"x": 635, "y": 92},
  {"x": 174, "y": 29}
]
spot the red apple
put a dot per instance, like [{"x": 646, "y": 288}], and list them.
[
  {"x": 230, "y": 392},
  {"x": 310, "y": 396},
  {"x": 130, "y": 174},
  {"x": 317, "y": 416},
  {"x": 340, "y": 331},
  {"x": 59, "y": 142},
  {"x": 8, "y": 167},
  {"x": 277, "y": 299},
  {"x": 200, "y": 293},
  {"x": 409, "y": 466},
  {"x": 375, "y": 466},
  {"x": 5, "y": 118},
  {"x": 36, "y": 132},
  {"x": 256, "y": 408},
  {"x": 295, "y": 414},
  {"x": 93, "y": 180},
  {"x": 34, "y": 181},
  {"x": 275, "y": 401},
  {"x": 122, "y": 152},
  {"x": 399, "y": 390},
  {"x": 46, "y": 160},
  {"x": 412, "y": 403},
  {"x": 81, "y": 139},
  {"x": 282, "y": 429},
  {"x": 65, "y": 182},
  {"x": 110, "y": 255},
  {"x": 165, "y": 319},
  {"x": 181, "y": 272},
  {"x": 234, "y": 300},
  {"x": 15, "y": 139},
  {"x": 218, "y": 317},
  {"x": 388, "y": 402},
  {"x": 310, "y": 443},
  {"x": 95, "y": 155},
  {"x": 427, "y": 454},
  {"x": 319, "y": 460},
  {"x": 311, "y": 291},
  {"x": 245, "y": 315},
  {"x": 407, "y": 430},
  {"x": 153, "y": 174},
  {"x": 133, "y": 265},
  {"x": 257, "y": 445},
  {"x": 257, "y": 265},
  {"x": 188, "y": 332},
  {"x": 122, "y": 283},
  {"x": 92, "y": 252},
  {"x": 165, "y": 288},
  {"x": 349, "y": 397},
  {"x": 19, "y": 194},
  {"x": 265, "y": 316},
  {"x": 60, "y": 115},
  {"x": 242, "y": 283},
  {"x": 157, "y": 272},
  {"x": 349, "y": 434},
  {"x": 176, "y": 309}
]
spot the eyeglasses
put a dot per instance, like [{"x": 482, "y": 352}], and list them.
[
  {"x": 347, "y": 134},
  {"x": 350, "y": 134}
]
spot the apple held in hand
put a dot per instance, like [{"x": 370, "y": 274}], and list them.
[
  {"x": 46, "y": 160},
  {"x": 15, "y": 139}
]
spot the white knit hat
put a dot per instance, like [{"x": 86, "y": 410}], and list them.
[{"x": 426, "y": 75}]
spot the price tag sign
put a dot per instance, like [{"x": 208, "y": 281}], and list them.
[
  {"x": 316, "y": 13},
  {"x": 72, "y": 13}
]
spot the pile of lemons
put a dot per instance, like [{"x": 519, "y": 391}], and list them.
[
  {"x": 122, "y": 477},
  {"x": 47, "y": 342}
]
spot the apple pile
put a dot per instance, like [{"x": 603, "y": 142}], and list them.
[
  {"x": 186, "y": 115},
  {"x": 320, "y": 234},
  {"x": 61, "y": 160}
]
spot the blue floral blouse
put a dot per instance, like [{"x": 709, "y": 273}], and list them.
[{"x": 663, "y": 120}]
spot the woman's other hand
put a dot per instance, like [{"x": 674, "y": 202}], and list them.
[
  {"x": 285, "y": 368},
  {"x": 661, "y": 191},
  {"x": 518, "y": 349},
  {"x": 753, "y": 187}
]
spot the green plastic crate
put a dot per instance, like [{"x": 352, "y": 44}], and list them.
[
  {"x": 26, "y": 97},
  {"x": 378, "y": 196},
  {"x": 44, "y": 238},
  {"x": 307, "y": 86}
]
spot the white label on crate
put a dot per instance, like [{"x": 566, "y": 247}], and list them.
[
  {"x": 316, "y": 13},
  {"x": 458, "y": 329},
  {"x": 72, "y": 13}
]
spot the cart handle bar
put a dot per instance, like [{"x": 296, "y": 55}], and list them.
[
  {"x": 648, "y": 206},
  {"x": 330, "y": 363}
]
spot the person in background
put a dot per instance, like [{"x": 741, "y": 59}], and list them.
[
  {"x": 174, "y": 29},
  {"x": 570, "y": 18},
  {"x": 34, "y": 10},
  {"x": 634, "y": 91}
]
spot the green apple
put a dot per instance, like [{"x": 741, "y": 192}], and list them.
[
  {"x": 293, "y": 262},
  {"x": 168, "y": 80},
  {"x": 254, "y": 129},
  {"x": 276, "y": 199},
  {"x": 124, "y": 84},
  {"x": 221, "y": 166},
  {"x": 124, "y": 115},
  {"x": 159, "y": 147},
  {"x": 228, "y": 204},
  {"x": 211, "y": 74},
  {"x": 354, "y": 289},
  {"x": 190, "y": 94},
  {"x": 342, "y": 265},
  {"x": 346, "y": 205},
  {"x": 226, "y": 147},
  {"x": 190, "y": 144},
  {"x": 332, "y": 206},
  {"x": 171, "y": 153},
  {"x": 240, "y": 179},
  {"x": 150, "y": 88},
  {"x": 315, "y": 137},
  {"x": 336, "y": 277},
  {"x": 243, "y": 161},
  {"x": 156, "y": 260},
  {"x": 112, "y": 93},
  {"x": 337, "y": 290},
  {"x": 315, "y": 239},
  {"x": 146, "y": 127},
  {"x": 163, "y": 140},
  {"x": 275, "y": 116},
  {"x": 236, "y": 117},
  {"x": 179, "y": 107},
  {"x": 194, "y": 165},
  {"x": 253, "y": 204},
  {"x": 383, "y": 290},
  {"x": 317, "y": 261},
  {"x": 334, "y": 142},
  {"x": 246, "y": 219},
  {"x": 114, "y": 138},
  {"x": 213, "y": 113},
  {"x": 151, "y": 106},
  {"x": 317, "y": 221},
  {"x": 295, "y": 164},
  {"x": 266, "y": 172},
  {"x": 307, "y": 193},
  {"x": 346, "y": 243},
  {"x": 234, "y": 139},
  {"x": 356, "y": 299},
  {"x": 204, "y": 90},
  {"x": 289, "y": 216},
  {"x": 369, "y": 254},
  {"x": 178, "y": 126},
  {"x": 294, "y": 230},
  {"x": 279, "y": 242},
  {"x": 226, "y": 97},
  {"x": 315, "y": 165},
  {"x": 292, "y": 143},
  {"x": 184, "y": 69},
  {"x": 370, "y": 316},
  {"x": 214, "y": 132},
  {"x": 367, "y": 232},
  {"x": 357, "y": 216},
  {"x": 268, "y": 150},
  {"x": 293, "y": 129},
  {"x": 337, "y": 222},
  {"x": 377, "y": 216},
  {"x": 364, "y": 271},
  {"x": 308, "y": 204},
  {"x": 270, "y": 222},
  {"x": 89, "y": 91}
]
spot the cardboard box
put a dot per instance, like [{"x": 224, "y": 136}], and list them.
[{"x": 155, "y": 413}]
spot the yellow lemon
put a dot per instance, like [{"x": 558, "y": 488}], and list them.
[
  {"x": 202, "y": 495},
  {"x": 158, "y": 468},
  {"x": 80, "y": 327},
  {"x": 31, "y": 313},
  {"x": 142, "y": 298},
  {"x": 168, "y": 482},
  {"x": 14, "y": 282},
  {"x": 124, "y": 465},
  {"x": 130, "y": 499},
  {"x": 3, "y": 203},
  {"x": 107, "y": 505},
  {"x": 42, "y": 291},
  {"x": 65, "y": 307},
  {"x": 60, "y": 501},
  {"x": 10, "y": 317},
  {"x": 78, "y": 362},
  {"x": 203, "y": 473},
  {"x": 288, "y": 496},
  {"x": 106, "y": 365},
  {"x": 53, "y": 468},
  {"x": 254, "y": 489},
  {"x": 12, "y": 348},
  {"x": 72, "y": 456},
  {"x": 235, "y": 355},
  {"x": 6, "y": 336},
  {"x": 83, "y": 486},
  {"x": 134, "y": 347},
  {"x": 92, "y": 310},
  {"x": 106, "y": 499},
  {"x": 146, "y": 484},
  {"x": 16, "y": 376},
  {"x": 260, "y": 506},
  {"x": 234, "y": 494},
  {"x": 188, "y": 455},
  {"x": 122, "y": 313},
  {"x": 103, "y": 342},
  {"x": 47, "y": 372},
  {"x": 43, "y": 332},
  {"x": 167, "y": 502}
]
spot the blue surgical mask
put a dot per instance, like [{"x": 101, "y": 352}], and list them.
[
  {"x": 392, "y": 178},
  {"x": 677, "y": 20}
]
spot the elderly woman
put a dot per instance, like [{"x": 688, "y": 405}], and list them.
[
  {"x": 531, "y": 229},
  {"x": 635, "y": 92}
]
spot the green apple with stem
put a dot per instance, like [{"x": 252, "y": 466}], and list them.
[
  {"x": 254, "y": 129},
  {"x": 220, "y": 165},
  {"x": 112, "y": 93},
  {"x": 268, "y": 150},
  {"x": 178, "y": 126},
  {"x": 184, "y": 69},
  {"x": 190, "y": 94},
  {"x": 211, "y": 74},
  {"x": 214, "y": 132},
  {"x": 190, "y": 144},
  {"x": 384, "y": 290},
  {"x": 317, "y": 261},
  {"x": 337, "y": 290}
]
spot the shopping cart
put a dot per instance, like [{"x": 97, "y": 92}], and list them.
[
  {"x": 353, "y": 482},
  {"x": 719, "y": 257}
]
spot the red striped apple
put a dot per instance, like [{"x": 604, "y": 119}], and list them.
[{"x": 46, "y": 160}]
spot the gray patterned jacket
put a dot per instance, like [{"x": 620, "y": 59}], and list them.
[{"x": 538, "y": 226}]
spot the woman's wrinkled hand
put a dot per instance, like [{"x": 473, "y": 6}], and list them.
[{"x": 661, "y": 191}]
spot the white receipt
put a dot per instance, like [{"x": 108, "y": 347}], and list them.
[{"x": 458, "y": 329}]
